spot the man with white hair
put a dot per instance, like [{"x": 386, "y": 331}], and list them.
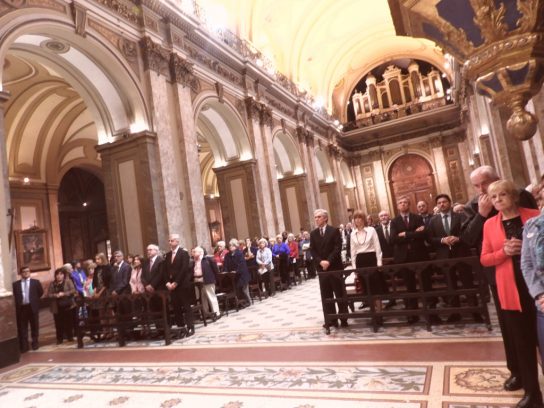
[
  {"x": 479, "y": 210},
  {"x": 177, "y": 275},
  {"x": 151, "y": 269},
  {"x": 326, "y": 245}
]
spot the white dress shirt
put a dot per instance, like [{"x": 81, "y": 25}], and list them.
[{"x": 365, "y": 240}]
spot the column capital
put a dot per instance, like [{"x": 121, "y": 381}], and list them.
[
  {"x": 127, "y": 141},
  {"x": 259, "y": 111},
  {"x": 156, "y": 57},
  {"x": 181, "y": 70}
]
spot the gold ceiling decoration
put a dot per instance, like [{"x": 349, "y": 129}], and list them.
[{"x": 499, "y": 42}]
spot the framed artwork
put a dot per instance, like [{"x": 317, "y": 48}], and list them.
[{"x": 32, "y": 249}]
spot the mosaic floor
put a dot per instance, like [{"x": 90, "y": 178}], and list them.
[{"x": 273, "y": 354}]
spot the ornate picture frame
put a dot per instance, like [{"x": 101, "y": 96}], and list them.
[{"x": 32, "y": 249}]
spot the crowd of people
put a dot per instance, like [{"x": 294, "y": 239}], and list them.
[{"x": 501, "y": 224}]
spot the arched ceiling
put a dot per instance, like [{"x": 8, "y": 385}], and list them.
[
  {"x": 325, "y": 44},
  {"x": 49, "y": 128}
]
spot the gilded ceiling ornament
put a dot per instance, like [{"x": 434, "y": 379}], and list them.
[{"x": 499, "y": 43}]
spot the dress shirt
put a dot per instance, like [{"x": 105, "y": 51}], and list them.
[
  {"x": 365, "y": 240},
  {"x": 25, "y": 290},
  {"x": 198, "y": 277}
]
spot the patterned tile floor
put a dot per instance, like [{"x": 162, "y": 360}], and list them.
[{"x": 159, "y": 376}]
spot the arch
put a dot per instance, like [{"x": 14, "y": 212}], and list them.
[
  {"x": 220, "y": 126},
  {"x": 286, "y": 154},
  {"x": 411, "y": 175},
  {"x": 113, "y": 96},
  {"x": 323, "y": 168}
]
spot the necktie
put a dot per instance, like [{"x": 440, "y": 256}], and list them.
[
  {"x": 173, "y": 256},
  {"x": 386, "y": 227},
  {"x": 322, "y": 231},
  {"x": 151, "y": 264},
  {"x": 405, "y": 220},
  {"x": 446, "y": 224},
  {"x": 25, "y": 292}
]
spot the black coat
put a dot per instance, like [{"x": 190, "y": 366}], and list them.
[
  {"x": 153, "y": 277},
  {"x": 235, "y": 261},
  {"x": 120, "y": 282},
  {"x": 327, "y": 248},
  {"x": 435, "y": 232},
  {"x": 209, "y": 270},
  {"x": 410, "y": 248},
  {"x": 177, "y": 271},
  {"x": 35, "y": 292},
  {"x": 386, "y": 245}
]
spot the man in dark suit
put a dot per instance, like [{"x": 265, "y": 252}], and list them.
[
  {"x": 423, "y": 211},
  {"x": 408, "y": 236},
  {"x": 152, "y": 278},
  {"x": 479, "y": 210},
  {"x": 326, "y": 247},
  {"x": 27, "y": 293},
  {"x": 121, "y": 275},
  {"x": 443, "y": 232},
  {"x": 383, "y": 228},
  {"x": 177, "y": 275}
]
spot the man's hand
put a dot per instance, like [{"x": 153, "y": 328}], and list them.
[
  {"x": 421, "y": 228},
  {"x": 325, "y": 265},
  {"x": 484, "y": 205},
  {"x": 402, "y": 234},
  {"x": 150, "y": 288},
  {"x": 512, "y": 246}
]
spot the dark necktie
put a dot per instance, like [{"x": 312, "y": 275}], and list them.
[
  {"x": 386, "y": 228},
  {"x": 405, "y": 220},
  {"x": 446, "y": 224},
  {"x": 322, "y": 231}
]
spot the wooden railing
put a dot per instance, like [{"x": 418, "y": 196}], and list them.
[{"x": 443, "y": 286}]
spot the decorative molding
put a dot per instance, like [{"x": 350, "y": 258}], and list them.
[
  {"x": 182, "y": 71},
  {"x": 125, "y": 8},
  {"x": 213, "y": 64},
  {"x": 151, "y": 23},
  {"x": 220, "y": 91},
  {"x": 79, "y": 14},
  {"x": 156, "y": 57}
]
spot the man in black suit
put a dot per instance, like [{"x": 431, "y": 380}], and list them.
[
  {"x": 443, "y": 232},
  {"x": 177, "y": 275},
  {"x": 423, "y": 211},
  {"x": 383, "y": 228},
  {"x": 121, "y": 275},
  {"x": 326, "y": 247},
  {"x": 27, "y": 293},
  {"x": 408, "y": 236},
  {"x": 152, "y": 278},
  {"x": 479, "y": 210}
]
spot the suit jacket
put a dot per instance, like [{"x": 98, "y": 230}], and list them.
[
  {"x": 235, "y": 261},
  {"x": 327, "y": 248},
  {"x": 35, "y": 292},
  {"x": 435, "y": 232},
  {"x": 410, "y": 248},
  {"x": 121, "y": 279},
  {"x": 154, "y": 276},
  {"x": 387, "y": 247},
  {"x": 177, "y": 271}
]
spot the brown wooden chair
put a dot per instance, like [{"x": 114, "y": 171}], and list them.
[
  {"x": 225, "y": 290},
  {"x": 255, "y": 283}
]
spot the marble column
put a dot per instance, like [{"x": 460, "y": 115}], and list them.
[
  {"x": 340, "y": 213},
  {"x": 134, "y": 194},
  {"x": 310, "y": 189},
  {"x": 191, "y": 167},
  {"x": 54, "y": 222},
  {"x": 9, "y": 345},
  {"x": 266, "y": 129},
  {"x": 242, "y": 215}
]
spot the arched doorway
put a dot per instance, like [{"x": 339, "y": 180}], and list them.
[
  {"x": 82, "y": 215},
  {"x": 412, "y": 176}
]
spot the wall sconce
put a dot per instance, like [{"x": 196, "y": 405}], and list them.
[{"x": 26, "y": 181}]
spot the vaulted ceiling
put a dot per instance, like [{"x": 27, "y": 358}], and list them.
[{"x": 326, "y": 46}]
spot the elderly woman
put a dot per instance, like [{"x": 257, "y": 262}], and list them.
[
  {"x": 280, "y": 251},
  {"x": 205, "y": 270},
  {"x": 219, "y": 254},
  {"x": 501, "y": 248},
  {"x": 235, "y": 261},
  {"x": 264, "y": 265},
  {"x": 293, "y": 254},
  {"x": 62, "y": 292}
]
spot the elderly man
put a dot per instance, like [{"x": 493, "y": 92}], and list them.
[
  {"x": 178, "y": 278},
  {"x": 325, "y": 246},
  {"x": 479, "y": 210},
  {"x": 152, "y": 278}
]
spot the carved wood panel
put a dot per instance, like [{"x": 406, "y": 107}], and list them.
[{"x": 412, "y": 176}]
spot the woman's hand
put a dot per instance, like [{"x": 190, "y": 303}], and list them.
[{"x": 512, "y": 246}]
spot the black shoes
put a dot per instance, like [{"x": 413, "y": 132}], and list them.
[
  {"x": 531, "y": 401},
  {"x": 190, "y": 331},
  {"x": 344, "y": 323},
  {"x": 513, "y": 383}
]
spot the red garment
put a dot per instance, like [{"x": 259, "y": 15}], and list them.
[
  {"x": 293, "y": 249},
  {"x": 493, "y": 255}
]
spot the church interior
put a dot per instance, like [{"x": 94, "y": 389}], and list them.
[{"x": 126, "y": 121}]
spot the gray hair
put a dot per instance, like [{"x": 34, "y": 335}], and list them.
[
  {"x": 488, "y": 171},
  {"x": 221, "y": 244},
  {"x": 153, "y": 246},
  {"x": 198, "y": 249},
  {"x": 321, "y": 211},
  {"x": 233, "y": 242},
  {"x": 263, "y": 240}
]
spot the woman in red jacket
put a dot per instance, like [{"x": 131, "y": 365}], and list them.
[{"x": 501, "y": 248}]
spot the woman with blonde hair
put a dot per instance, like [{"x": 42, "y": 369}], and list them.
[{"x": 501, "y": 248}]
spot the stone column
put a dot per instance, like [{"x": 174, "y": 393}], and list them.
[
  {"x": 54, "y": 222},
  {"x": 134, "y": 195},
  {"x": 242, "y": 214},
  {"x": 9, "y": 345},
  {"x": 311, "y": 192},
  {"x": 181, "y": 72},
  {"x": 340, "y": 208},
  {"x": 266, "y": 128},
  {"x": 157, "y": 67}
]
